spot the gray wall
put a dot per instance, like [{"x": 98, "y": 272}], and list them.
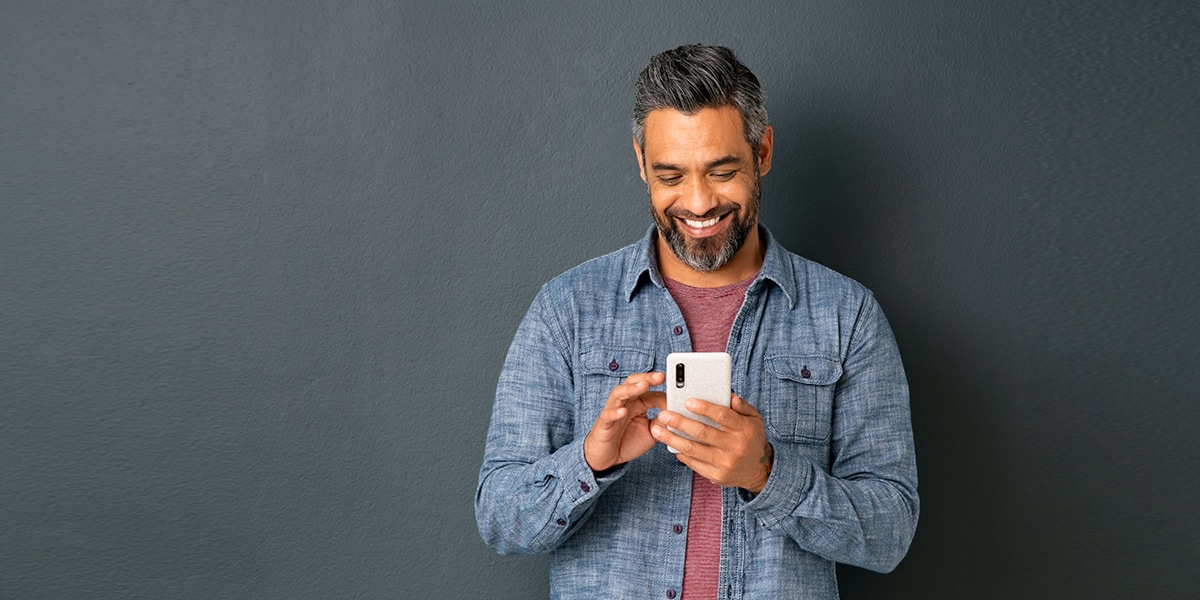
[{"x": 260, "y": 262}]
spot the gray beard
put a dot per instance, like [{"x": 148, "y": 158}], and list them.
[
  {"x": 711, "y": 253},
  {"x": 707, "y": 254}
]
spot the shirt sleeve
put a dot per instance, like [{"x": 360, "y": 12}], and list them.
[
  {"x": 864, "y": 510},
  {"x": 535, "y": 488}
]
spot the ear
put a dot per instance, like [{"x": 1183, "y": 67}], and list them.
[
  {"x": 764, "y": 150},
  {"x": 637, "y": 151}
]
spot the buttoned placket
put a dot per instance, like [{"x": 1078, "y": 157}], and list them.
[
  {"x": 677, "y": 341},
  {"x": 733, "y": 532}
]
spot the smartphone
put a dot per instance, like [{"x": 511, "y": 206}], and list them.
[{"x": 703, "y": 375}]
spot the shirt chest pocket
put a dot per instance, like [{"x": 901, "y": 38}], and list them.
[
  {"x": 797, "y": 398},
  {"x": 602, "y": 369}
]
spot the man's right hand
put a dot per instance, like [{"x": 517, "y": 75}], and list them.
[{"x": 622, "y": 431}]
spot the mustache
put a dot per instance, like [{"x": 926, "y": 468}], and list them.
[{"x": 712, "y": 213}]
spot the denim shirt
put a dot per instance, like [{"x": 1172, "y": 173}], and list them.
[{"x": 811, "y": 350}]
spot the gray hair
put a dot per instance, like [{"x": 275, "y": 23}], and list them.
[{"x": 693, "y": 77}]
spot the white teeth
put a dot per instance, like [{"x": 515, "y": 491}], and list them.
[{"x": 701, "y": 224}]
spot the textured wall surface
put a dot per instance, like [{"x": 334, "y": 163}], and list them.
[{"x": 260, "y": 263}]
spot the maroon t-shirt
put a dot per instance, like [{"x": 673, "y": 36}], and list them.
[{"x": 709, "y": 314}]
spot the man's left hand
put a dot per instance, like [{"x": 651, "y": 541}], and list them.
[{"x": 735, "y": 454}]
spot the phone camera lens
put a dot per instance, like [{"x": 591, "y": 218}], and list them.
[{"x": 679, "y": 375}]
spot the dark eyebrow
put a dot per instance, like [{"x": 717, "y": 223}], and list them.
[
  {"x": 724, "y": 160},
  {"x": 720, "y": 162}
]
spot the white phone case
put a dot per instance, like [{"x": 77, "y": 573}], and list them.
[{"x": 703, "y": 375}]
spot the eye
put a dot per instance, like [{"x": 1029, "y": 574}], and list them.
[
  {"x": 724, "y": 175},
  {"x": 670, "y": 179}
]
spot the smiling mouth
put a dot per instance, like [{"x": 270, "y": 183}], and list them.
[{"x": 701, "y": 224}]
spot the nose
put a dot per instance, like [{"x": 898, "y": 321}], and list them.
[{"x": 698, "y": 197}]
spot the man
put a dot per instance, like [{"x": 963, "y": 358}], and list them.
[{"x": 811, "y": 464}]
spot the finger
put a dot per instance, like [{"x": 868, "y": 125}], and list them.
[
  {"x": 609, "y": 425},
  {"x": 677, "y": 442},
  {"x": 701, "y": 468},
  {"x": 694, "y": 458},
  {"x": 635, "y": 385},
  {"x": 610, "y": 417},
  {"x": 742, "y": 407},
  {"x": 721, "y": 415},
  {"x": 623, "y": 392},
  {"x": 651, "y": 377},
  {"x": 648, "y": 400},
  {"x": 691, "y": 443}
]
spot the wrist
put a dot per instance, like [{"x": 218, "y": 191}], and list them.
[
  {"x": 589, "y": 458},
  {"x": 765, "y": 464}
]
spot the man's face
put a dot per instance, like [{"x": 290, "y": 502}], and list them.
[{"x": 703, "y": 180}]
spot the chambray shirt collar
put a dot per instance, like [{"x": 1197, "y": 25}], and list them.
[{"x": 643, "y": 264}]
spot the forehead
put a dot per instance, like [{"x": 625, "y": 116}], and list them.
[{"x": 708, "y": 130}]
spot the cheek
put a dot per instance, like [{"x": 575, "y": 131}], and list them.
[
  {"x": 741, "y": 193},
  {"x": 740, "y": 188},
  {"x": 661, "y": 200}
]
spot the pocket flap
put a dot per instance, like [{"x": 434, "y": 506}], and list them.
[
  {"x": 618, "y": 362},
  {"x": 810, "y": 370}
]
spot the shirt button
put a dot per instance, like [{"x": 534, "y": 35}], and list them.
[
  {"x": 613, "y": 366},
  {"x": 670, "y": 594},
  {"x": 585, "y": 487},
  {"x": 678, "y": 529},
  {"x": 678, "y": 330},
  {"x": 805, "y": 373},
  {"x": 561, "y": 522}
]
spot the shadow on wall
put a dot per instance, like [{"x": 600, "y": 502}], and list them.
[{"x": 838, "y": 182}]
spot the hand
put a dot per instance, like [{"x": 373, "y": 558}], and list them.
[
  {"x": 622, "y": 431},
  {"x": 735, "y": 454}
]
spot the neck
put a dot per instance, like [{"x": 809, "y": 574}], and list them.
[{"x": 746, "y": 262}]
